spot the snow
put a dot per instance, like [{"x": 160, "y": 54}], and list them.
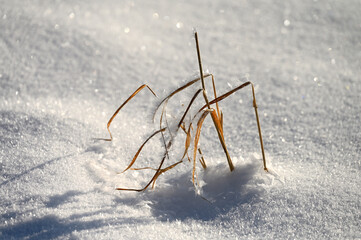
[{"x": 65, "y": 67}]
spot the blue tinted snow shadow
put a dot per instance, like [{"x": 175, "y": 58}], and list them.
[
  {"x": 39, "y": 166},
  {"x": 223, "y": 191},
  {"x": 45, "y": 228},
  {"x": 60, "y": 199},
  {"x": 50, "y": 227}
]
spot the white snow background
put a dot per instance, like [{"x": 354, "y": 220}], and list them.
[{"x": 66, "y": 66}]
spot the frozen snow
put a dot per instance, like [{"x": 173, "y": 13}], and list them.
[{"x": 66, "y": 66}]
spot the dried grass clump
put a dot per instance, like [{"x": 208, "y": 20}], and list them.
[{"x": 210, "y": 108}]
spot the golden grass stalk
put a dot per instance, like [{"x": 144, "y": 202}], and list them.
[
  {"x": 227, "y": 94},
  {"x": 259, "y": 128},
  {"x": 218, "y": 126},
  {"x": 215, "y": 119},
  {"x": 220, "y": 114}
]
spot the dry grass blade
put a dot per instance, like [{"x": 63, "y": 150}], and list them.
[
  {"x": 220, "y": 98},
  {"x": 121, "y": 106},
  {"x": 141, "y": 147},
  {"x": 215, "y": 119},
  {"x": 259, "y": 128},
  {"x": 196, "y": 140},
  {"x": 164, "y": 113},
  {"x": 215, "y": 96},
  {"x": 189, "y": 106},
  {"x": 156, "y": 175},
  {"x": 217, "y": 123},
  {"x": 183, "y": 127},
  {"x": 188, "y": 84},
  {"x": 201, "y": 159},
  {"x": 219, "y": 129},
  {"x": 199, "y": 60},
  {"x": 222, "y": 120},
  {"x": 166, "y": 146},
  {"x": 188, "y": 140},
  {"x": 143, "y": 168},
  {"x": 163, "y": 171},
  {"x": 155, "y": 169},
  {"x": 187, "y": 144},
  {"x": 158, "y": 171}
]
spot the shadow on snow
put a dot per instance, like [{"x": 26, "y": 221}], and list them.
[{"x": 223, "y": 191}]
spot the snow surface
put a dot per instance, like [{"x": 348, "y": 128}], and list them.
[{"x": 66, "y": 66}]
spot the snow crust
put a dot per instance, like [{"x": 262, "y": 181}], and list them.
[{"x": 66, "y": 66}]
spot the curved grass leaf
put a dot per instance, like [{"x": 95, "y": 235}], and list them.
[
  {"x": 220, "y": 98},
  {"x": 121, "y": 106},
  {"x": 141, "y": 147},
  {"x": 188, "y": 84},
  {"x": 196, "y": 140}
]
